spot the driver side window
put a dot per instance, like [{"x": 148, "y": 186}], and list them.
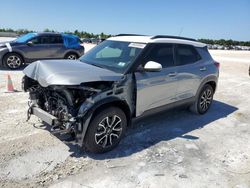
[
  {"x": 109, "y": 52},
  {"x": 35, "y": 40}
]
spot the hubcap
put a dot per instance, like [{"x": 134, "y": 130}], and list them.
[
  {"x": 73, "y": 57},
  {"x": 14, "y": 61},
  {"x": 206, "y": 99},
  {"x": 108, "y": 131}
]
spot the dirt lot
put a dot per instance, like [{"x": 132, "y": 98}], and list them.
[{"x": 172, "y": 149}]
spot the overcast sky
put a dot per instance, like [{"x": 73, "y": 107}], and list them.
[{"x": 215, "y": 19}]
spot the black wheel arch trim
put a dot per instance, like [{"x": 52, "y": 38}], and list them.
[
  {"x": 86, "y": 113},
  {"x": 211, "y": 78}
]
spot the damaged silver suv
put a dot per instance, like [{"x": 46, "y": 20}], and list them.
[{"x": 127, "y": 76}]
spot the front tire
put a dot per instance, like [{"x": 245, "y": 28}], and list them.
[
  {"x": 13, "y": 61},
  {"x": 204, "y": 100},
  {"x": 105, "y": 130}
]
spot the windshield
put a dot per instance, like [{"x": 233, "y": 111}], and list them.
[
  {"x": 113, "y": 55},
  {"x": 25, "y": 38}
]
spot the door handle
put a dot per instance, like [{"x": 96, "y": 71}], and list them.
[
  {"x": 203, "y": 69},
  {"x": 172, "y": 74}
]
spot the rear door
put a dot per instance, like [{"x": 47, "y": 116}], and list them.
[
  {"x": 56, "y": 47},
  {"x": 155, "y": 89},
  {"x": 190, "y": 70}
]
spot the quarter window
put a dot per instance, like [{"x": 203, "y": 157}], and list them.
[
  {"x": 163, "y": 54},
  {"x": 186, "y": 54}
]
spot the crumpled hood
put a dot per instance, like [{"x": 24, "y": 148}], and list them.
[{"x": 67, "y": 72}]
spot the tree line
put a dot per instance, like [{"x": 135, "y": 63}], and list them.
[
  {"x": 84, "y": 34},
  {"x": 224, "y": 42},
  {"x": 81, "y": 34}
]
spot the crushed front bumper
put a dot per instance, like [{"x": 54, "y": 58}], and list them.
[{"x": 43, "y": 115}]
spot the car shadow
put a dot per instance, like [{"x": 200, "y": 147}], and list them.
[
  {"x": 9, "y": 70},
  {"x": 164, "y": 126}
]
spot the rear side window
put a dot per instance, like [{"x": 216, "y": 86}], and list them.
[
  {"x": 163, "y": 54},
  {"x": 44, "y": 40},
  {"x": 186, "y": 54},
  {"x": 41, "y": 40},
  {"x": 47, "y": 40},
  {"x": 56, "y": 40}
]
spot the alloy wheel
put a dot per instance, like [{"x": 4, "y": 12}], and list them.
[
  {"x": 108, "y": 131},
  {"x": 206, "y": 99},
  {"x": 72, "y": 57},
  {"x": 14, "y": 61}
]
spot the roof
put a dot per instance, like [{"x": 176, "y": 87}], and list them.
[
  {"x": 48, "y": 33},
  {"x": 56, "y": 34},
  {"x": 156, "y": 39}
]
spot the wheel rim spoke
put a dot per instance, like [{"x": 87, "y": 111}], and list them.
[
  {"x": 100, "y": 139},
  {"x": 105, "y": 141},
  {"x": 116, "y": 125}
]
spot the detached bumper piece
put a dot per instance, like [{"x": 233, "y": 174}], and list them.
[
  {"x": 43, "y": 115},
  {"x": 49, "y": 119}
]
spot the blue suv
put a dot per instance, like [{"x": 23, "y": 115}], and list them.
[{"x": 36, "y": 46}]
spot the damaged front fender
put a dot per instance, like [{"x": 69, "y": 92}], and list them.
[{"x": 121, "y": 94}]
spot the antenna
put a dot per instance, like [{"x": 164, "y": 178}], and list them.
[{"x": 181, "y": 31}]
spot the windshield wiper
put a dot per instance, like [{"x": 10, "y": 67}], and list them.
[{"x": 97, "y": 65}]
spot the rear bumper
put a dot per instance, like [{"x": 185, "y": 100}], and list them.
[{"x": 44, "y": 116}]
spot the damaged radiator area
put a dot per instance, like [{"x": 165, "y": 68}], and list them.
[{"x": 66, "y": 108}]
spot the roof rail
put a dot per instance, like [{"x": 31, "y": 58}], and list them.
[
  {"x": 171, "y": 37},
  {"x": 120, "y": 35}
]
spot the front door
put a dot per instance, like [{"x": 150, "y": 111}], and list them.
[
  {"x": 155, "y": 89},
  {"x": 37, "y": 48}
]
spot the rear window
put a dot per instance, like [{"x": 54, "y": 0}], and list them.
[
  {"x": 186, "y": 54},
  {"x": 71, "y": 41}
]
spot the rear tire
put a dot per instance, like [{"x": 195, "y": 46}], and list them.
[
  {"x": 13, "y": 61},
  {"x": 105, "y": 130},
  {"x": 71, "y": 56},
  {"x": 204, "y": 100}
]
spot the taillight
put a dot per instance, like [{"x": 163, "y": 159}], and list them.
[{"x": 217, "y": 64}]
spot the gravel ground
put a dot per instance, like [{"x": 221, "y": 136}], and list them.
[{"x": 172, "y": 149}]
